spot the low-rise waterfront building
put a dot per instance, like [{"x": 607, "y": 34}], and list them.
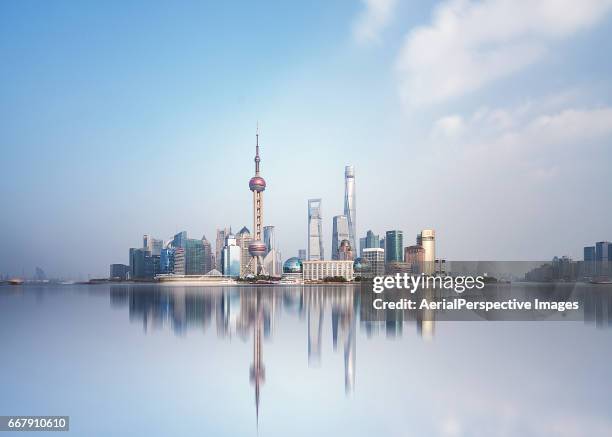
[{"x": 318, "y": 270}]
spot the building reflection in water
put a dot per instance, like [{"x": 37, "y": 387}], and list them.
[{"x": 251, "y": 313}]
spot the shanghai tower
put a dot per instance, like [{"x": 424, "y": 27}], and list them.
[{"x": 349, "y": 204}]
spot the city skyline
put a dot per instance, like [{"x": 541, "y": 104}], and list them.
[{"x": 111, "y": 130}]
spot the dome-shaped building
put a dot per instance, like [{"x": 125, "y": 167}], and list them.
[{"x": 292, "y": 265}]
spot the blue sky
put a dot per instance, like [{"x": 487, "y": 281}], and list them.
[{"x": 489, "y": 121}]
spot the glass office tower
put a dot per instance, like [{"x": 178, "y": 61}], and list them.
[{"x": 315, "y": 231}]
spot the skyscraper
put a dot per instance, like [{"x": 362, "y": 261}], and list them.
[
  {"x": 350, "y": 204},
  {"x": 243, "y": 239},
  {"x": 340, "y": 232},
  {"x": 394, "y": 246},
  {"x": 179, "y": 239},
  {"x": 427, "y": 239},
  {"x": 152, "y": 245},
  {"x": 219, "y": 244},
  {"x": 371, "y": 240},
  {"x": 345, "y": 252},
  {"x": 194, "y": 257},
  {"x": 257, "y": 185},
  {"x": 207, "y": 261},
  {"x": 302, "y": 254},
  {"x": 269, "y": 238},
  {"x": 315, "y": 232},
  {"x": 231, "y": 257}
]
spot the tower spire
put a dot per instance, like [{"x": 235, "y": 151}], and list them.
[{"x": 257, "y": 158}]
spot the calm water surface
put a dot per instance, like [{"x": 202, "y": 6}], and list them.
[{"x": 278, "y": 361}]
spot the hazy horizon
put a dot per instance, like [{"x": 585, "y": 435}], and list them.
[{"x": 490, "y": 122}]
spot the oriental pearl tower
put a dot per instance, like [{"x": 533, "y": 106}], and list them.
[{"x": 257, "y": 184}]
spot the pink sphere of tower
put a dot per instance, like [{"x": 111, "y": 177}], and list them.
[{"x": 257, "y": 183}]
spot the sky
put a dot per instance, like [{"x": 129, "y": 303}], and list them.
[{"x": 489, "y": 121}]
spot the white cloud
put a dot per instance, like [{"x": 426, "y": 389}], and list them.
[
  {"x": 450, "y": 126},
  {"x": 470, "y": 44},
  {"x": 372, "y": 20},
  {"x": 539, "y": 145}
]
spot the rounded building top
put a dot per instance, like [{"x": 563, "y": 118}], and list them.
[
  {"x": 292, "y": 265},
  {"x": 257, "y": 248},
  {"x": 257, "y": 183}
]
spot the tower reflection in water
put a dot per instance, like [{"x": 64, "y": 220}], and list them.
[{"x": 252, "y": 312}]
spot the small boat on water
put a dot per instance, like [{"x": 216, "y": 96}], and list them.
[{"x": 15, "y": 281}]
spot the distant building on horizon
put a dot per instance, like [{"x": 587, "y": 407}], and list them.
[
  {"x": 350, "y": 207},
  {"x": 302, "y": 254},
  {"x": 340, "y": 232},
  {"x": 315, "y": 230}
]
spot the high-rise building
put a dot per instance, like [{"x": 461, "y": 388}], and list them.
[
  {"x": 119, "y": 272},
  {"x": 166, "y": 260},
  {"x": 231, "y": 257},
  {"x": 427, "y": 239},
  {"x": 194, "y": 257},
  {"x": 137, "y": 263},
  {"x": 302, "y": 254},
  {"x": 179, "y": 261},
  {"x": 315, "y": 230},
  {"x": 345, "y": 251},
  {"x": 272, "y": 263},
  {"x": 152, "y": 245},
  {"x": 207, "y": 255},
  {"x": 381, "y": 243},
  {"x": 143, "y": 265},
  {"x": 269, "y": 238},
  {"x": 257, "y": 185},
  {"x": 603, "y": 251},
  {"x": 603, "y": 258},
  {"x": 371, "y": 240},
  {"x": 340, "y": 231},
  {"x": 415, "y": 256},
  {"x": 243, "y": 240},
  {"x": 394, "y": 246},
  {"x": 350, "y": 204},
  {"x": 179, "y": 239},
  {"x": 588, "y": 269},
  {"x": 375, "y": 258},
  {"x": 219, "y": 244}
]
